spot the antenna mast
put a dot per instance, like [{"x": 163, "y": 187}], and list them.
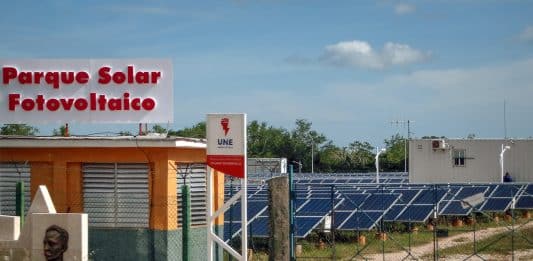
[
  {"x": 504, "y": 121},
  {"x": 408, "y": 124}
]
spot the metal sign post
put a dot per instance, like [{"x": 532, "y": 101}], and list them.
[{"x": 226, "y": 153}]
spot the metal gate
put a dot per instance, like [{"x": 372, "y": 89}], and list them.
[
  {"x": 116, "y": 194},
  {"x": 193, "y": 174},
  {"x": 10, "y": 174}
]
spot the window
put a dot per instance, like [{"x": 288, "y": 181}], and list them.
[
  {"x": 116, "y": 194},
  {"x": 10, "y": 174},
  {"x": 459, "y": 157},
  {"x": 194, "y": 175}
]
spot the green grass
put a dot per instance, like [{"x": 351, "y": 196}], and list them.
[
  {"x": 396, "y": 242},
  {"x": 346, "y": 245},
  {"x": 500, "y": 244}
]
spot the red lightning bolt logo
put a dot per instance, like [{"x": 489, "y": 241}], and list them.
[{"x": 225, "y": 125}]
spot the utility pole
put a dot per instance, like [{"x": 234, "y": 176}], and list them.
[
  {"x": 312, "y": 156},
  {"x": 504, "y": 121},
  {"x": 408, "y": 124}
]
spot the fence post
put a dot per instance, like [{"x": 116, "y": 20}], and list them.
[
  {"x": 278, "y": 243},
  {"x": 332, "y": 228},
  {"x": 513, "y": 229},
  {"x": 19, "y": 198},
  {"x": 435, "y": 238},
  {"x": 291, "y": 215},
  {"x": 186, "y": 221},
  {"x": 231, "y": 218}
]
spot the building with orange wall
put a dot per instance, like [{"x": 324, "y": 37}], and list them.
[{"x": 129, "y": 186}]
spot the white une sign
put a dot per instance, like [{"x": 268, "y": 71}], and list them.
[
  {"x": 225, "y": 134},
  {"x": 226, "y": 143},
  {"x": 86, "y": 90}
]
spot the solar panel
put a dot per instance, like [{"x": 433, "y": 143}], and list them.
[
  {"x": 469, "y": 191},
  {"x": 361, "y": 220},
  {"x": 341, "y": 181},
  {"x": 374, "y": 191},
  {"x": 393, "y": 212},
  {"x": 505, "y": 191},
  {"x": 496, "y": 204},
  {"x": 255, "y": 207},
  {"x": 452, "y": 191},
  {"x": 407, "y": 195},
  {"x": 315, "y": 207},
  {"x": 231, "y": 231},
  {"x": 529, "y": 190},
  {"x": 524, "y": 202},
  {"x": 298, "y": 203},
  {"x": 454, "y": 208},
  {"x": 329, "y": 181},
  {"x": 304, "y": 225},
  {"x": 360, "y": 206},
  {"x": 321, "y": 194},
  {"x": 429, "y": 196},
  {"x": 352, "y": 201},
  {"x": 395, "y": 180},
  {"x": 259, "y": 227},
  {"x": 379, "y": 202},
  {"x": 415, "y": 213},
  {"x": 234, "y": 211},
  {"x": 339, "y": 217}
]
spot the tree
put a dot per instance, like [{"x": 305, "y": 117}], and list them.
[
  {"x": 125, "y": 133},
  {"x": 266, "y": 141},
  {"x": 59, "y": 132},
  {"x": 158, "y": 129},
  {"x": 196, "y": 131},
  {"x": 361, "y": 156},
  {"x": 295, "y": 145},
  {"x": 331, "y": 158},
  {"x": 18, "y": 129},
  {"x": 302, "y": 138},
  {"x": 395, "y": 154}
]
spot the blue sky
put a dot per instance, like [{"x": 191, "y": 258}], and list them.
[{"x": 349, "y": 67}]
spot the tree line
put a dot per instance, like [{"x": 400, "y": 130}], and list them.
[{"x": 301, "y": 145}]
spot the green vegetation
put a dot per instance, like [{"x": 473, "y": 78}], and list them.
[
  {"x": 18, "y": 129},
  {"x": 266, "y": 141},
  {"x": 301, "y": 144},
  {"x": 60, "y": 132},
  {"x": 399, "y": 241},
  {"x": 499, "y": 244}
]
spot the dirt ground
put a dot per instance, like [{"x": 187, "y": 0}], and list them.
[
  {"x": 427, "y": 249},
  {"x": 518, "y": 255}
]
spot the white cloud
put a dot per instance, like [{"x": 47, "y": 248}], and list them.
[
  {"x": 442, "y": 89},
  {"x": 450, "y": 101},
  {"x": 361, "y": 54},
  {"x": 403, "y": 9},
  {"x": 527, "y": 34}
]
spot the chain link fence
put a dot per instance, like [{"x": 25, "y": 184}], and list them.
[{"x": 398, "y": 221}]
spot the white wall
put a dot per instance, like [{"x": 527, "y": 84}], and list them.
[{"x": 482, "y": 163}]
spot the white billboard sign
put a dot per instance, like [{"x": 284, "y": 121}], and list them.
[
  {"x": 86, "y": 90},
  {"x": 226, "y": 143},
  {"x": 226, "y": 152}
]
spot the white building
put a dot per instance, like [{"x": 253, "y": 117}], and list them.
[
  {"x": 267, "y": 165},
  {"x": 469, "y": 160}
]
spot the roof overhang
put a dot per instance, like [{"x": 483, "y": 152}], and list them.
[{"x": 101, "y": 142}]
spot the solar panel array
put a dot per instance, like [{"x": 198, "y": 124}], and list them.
[{"x": 356, "y": 202}]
